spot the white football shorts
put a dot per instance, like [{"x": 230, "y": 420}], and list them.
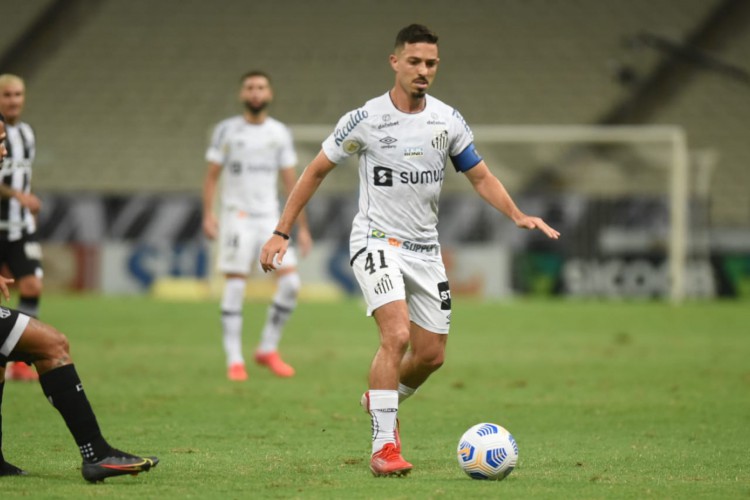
[
  {"x": 241, "y": 238},
  {"x": 386, "y": 274}
]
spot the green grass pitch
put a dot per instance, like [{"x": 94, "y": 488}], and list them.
[{"x": 606, "y": 400}]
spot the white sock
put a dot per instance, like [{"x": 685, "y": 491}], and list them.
[
  {"x": 383, "y": 410},
  {"x": 231, "y": 319},
  {"x": 404, "y": 392},
  {"x": 282, "y": 307}
]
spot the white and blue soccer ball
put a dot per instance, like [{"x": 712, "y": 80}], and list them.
[{"x": 487, "y": 451}]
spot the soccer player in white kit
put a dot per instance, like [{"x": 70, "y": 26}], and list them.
[
  {"x": 19, "y": 248},
  {"x": 404, "y": 140},
  {"x": 250, "y": 151}
]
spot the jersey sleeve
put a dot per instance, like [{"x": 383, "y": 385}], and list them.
[
  {"x": 348, "y": 138},
  {"x": 287, "y": 154},
  {"x": 216, "y": 152},
  {"x": 463, "y": 154}
]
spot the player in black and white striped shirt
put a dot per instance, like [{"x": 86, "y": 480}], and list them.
[
  {"x": 19, "y": 249},
  {"x": 25, "y": 338}
]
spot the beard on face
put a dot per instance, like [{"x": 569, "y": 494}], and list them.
[
  {"x": 419, "y": 93},
  {"x": 255, "y": 110}
]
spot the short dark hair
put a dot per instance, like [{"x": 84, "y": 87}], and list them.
[
  {"x": 255, "y": 72},
  {"x": 415, "y": 33}
]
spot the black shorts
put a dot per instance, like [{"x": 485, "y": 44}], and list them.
[
  {"x": 23, "y": 257},
  {"x": 12, "y": 325}
]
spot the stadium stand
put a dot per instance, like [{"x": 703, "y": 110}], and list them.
[
  {"x": 25, "y": 13},
  {"x": 144, "y": 81}
]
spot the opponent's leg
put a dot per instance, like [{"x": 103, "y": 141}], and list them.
[
  {"x": 29, "y": 291},
  {"x": 393, "y": 324},
  {"x": 279, "y": 312},
  {"x": 61, "y": 385},
  {"x": 231, "y": 323},
  {"x": 426, "y": 355}
]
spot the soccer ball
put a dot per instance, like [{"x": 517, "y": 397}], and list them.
[{"x": 487, "y": 451}]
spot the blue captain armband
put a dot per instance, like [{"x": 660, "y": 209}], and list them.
[{"x": 466, "y": 159}]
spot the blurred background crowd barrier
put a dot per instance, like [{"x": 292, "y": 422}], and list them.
[{"x": 122, "y": 96}]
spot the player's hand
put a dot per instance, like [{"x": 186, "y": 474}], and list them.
[
  {"x": 210, "y": 226},
  {"x": 529, "y": 222},
  {"x": 4, "y": 282},
  {"x": 30, "y": 201},
  {"x": 275, "y": 246},
  {"x": 304, "y": 241}
]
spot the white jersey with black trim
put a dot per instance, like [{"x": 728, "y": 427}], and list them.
[
  {"x": 402, "y": 159},
  {"x": 251, "y": 156},
  {"x": 15, "y": 172}
]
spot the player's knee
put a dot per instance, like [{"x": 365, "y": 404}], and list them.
[
  {"x": 57, "y": 348},
  {"x": 30, "y": 287},
  {"x": 396, "y": 340},
  {"x": 435, "y": 361}
]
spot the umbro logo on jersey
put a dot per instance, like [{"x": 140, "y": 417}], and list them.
[
  {"x": 388, "y": 142},
  {"x": 440, "y": 142},
  {"x": 383, "y": 176}
]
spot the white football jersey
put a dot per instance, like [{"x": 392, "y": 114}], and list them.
[
  {"x": 252, "y": 155},
  {"x": 15, "y": 172},
  {"x": 402, "y": 159}
]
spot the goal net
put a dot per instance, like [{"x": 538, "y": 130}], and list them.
[{"x": 619, "y": 195}]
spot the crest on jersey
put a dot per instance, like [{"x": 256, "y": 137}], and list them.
[
  {"x": 440, "y": 142},
  {"x": 4, "y": 313}
]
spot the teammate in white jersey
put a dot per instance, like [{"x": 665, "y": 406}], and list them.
[
  {"x": 19, "y": 248},
  {"x": 404, "y": 140},
  {"x": 249, "y": 152}
]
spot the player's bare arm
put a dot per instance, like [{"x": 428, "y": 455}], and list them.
[
  {"x": 493, "y": 192},
  {"x": 303, "y": 190},
  {"x": 7, "y": 191},
  {"x": 210, "y": 223},
  {"x": 27, "y": 200},
  {"x": 4, "y": 282},
  {"x": 304, "y": 238}
]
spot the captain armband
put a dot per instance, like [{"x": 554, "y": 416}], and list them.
[{"x": 466, "y": 159}]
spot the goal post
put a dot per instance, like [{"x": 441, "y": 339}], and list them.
[{"x": 672, "y": 136}]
